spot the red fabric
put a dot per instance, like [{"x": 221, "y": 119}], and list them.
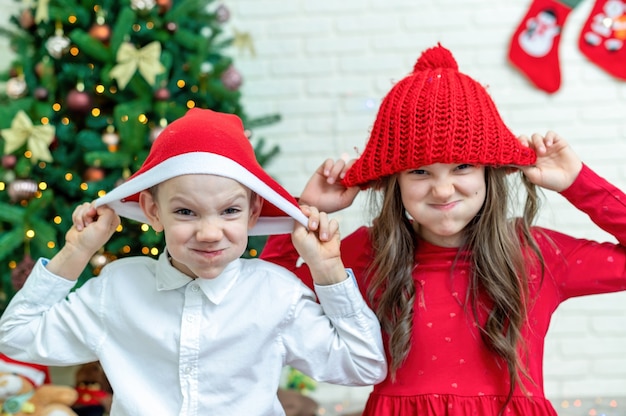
[
  {"x": 436, "y": 115},
  {"x": 449, "y": 371},
  {"x": 603, "y": 36},
  {"x": 534, "y": 47},
  {"x": 202, "y": 130},
  {"x": 24, "y": 369}
]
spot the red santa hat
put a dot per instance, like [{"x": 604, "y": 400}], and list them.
[
  {"x": 207, "y": 142},
  {"x": 35, "y": 373}
]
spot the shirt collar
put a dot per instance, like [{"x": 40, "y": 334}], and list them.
[{"x": 216, "y": 289}]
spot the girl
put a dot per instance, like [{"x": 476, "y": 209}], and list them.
[{"x": 463, "y": 292}]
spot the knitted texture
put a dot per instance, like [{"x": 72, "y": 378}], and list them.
[{"x": 436, "y": 115}]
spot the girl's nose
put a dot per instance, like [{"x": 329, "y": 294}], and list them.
[{"x": 443, "y": 189}]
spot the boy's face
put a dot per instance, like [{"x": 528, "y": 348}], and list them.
[{"x": 205, "y": 219}]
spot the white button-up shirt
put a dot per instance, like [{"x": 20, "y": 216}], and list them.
[{"x": 171, "y": 345}]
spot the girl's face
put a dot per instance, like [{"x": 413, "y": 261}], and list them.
[
  {"x": 442, "y": 199},
  {"x": 205, "y": 219}
]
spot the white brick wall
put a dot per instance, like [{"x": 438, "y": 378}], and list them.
[{"x": 324, "y": 65}]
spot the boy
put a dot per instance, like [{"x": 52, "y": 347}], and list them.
[{"x": 199, "y": 331}]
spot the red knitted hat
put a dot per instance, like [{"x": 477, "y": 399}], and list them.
[
  {"x": 436, "y": 115},
  {"x": 35, "y": 373},
  {"x": 207, "y": 142}
]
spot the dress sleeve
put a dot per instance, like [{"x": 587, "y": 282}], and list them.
[
  {"x": 580, "y": 266},
  {"x": 601, "y": 201},
  {"x": 280, "y": 250},
  {"x": 356, "y": 254},
  {"x": 41, "y": 326}
]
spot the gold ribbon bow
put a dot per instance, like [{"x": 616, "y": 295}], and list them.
[
  {"x": 129, "y": 60},
  {"x": 41, "y": 13},
  {"x": 38, "y": 138}
]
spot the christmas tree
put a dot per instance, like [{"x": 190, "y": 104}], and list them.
[{"x": 91, "y": 86}]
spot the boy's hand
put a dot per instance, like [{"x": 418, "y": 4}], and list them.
[
  {"x": 92, "y": 228},
  {"x": 324, "y": 189},
  {"x": 319, "y": 246},
  {"x": 557, "y": 164}
]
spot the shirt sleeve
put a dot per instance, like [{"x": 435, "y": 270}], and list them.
[
  {"x": 40, "y": 325},
  {"x": 581, "y": 266},
  {"x": 338, "y": 340}
]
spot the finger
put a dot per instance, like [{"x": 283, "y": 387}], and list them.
[
  {"x": 80, "y": 217},
  {"x": 524, "y": 140},
  {"x": 324, "y": 231},
  {"x": 333, "y": 229},
  {"x": 551, "y": 138},
  {"x": 538, "y": 143},
  {"x": 338, "y": 168},
  {"x": 108, "y": 217},
  {"x": 327, "y": 167},
  {"x": 314, "y": 217}
]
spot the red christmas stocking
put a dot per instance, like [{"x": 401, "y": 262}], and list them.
[
  {"x": 534, "y": 48},
  {"x": 603, "y": 37}
]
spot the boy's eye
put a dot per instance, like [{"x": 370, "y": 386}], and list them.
[
  {"x": 231, "y": 210},
  {"x": 183, "y": 211}
]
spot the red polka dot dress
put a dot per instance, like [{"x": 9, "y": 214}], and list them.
[{"x": 449, "y": 370}]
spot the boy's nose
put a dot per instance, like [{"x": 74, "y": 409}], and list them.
[{"x": 209, "y": 230}]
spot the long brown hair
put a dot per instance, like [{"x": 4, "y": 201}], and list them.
[{"x": 499, "y": 250}]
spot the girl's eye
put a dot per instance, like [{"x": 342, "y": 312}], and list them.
[
  {"x": 417, "y": 172},
  {"x": 464, "y": 166}
]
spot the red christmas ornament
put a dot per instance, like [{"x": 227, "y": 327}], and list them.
[
  {"x": 40, "y": 69},
  {"x": 93, "y": 174},
  {"x": 21, "y": 272},
  {"x": 222, "y": 14},
  {"x": 101, "y": 32},
  {"x": 162, "y": 94},
  {"x": 9, "y": 161},
  {"x": 171, "y": 27},
  {"x": 78, "y": 101},
  {"x": 26, "y": 19},
  {"x": 164, "y": 5},
  {"x": 231, "y": 78},
  {"x": 41, "y": 93}
]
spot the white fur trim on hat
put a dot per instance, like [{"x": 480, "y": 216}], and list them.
[
  {"x": 204, "y": 163},
  {"x": 35, "y": 375}
]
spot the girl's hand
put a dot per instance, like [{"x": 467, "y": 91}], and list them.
[
  {"x": 557, "y": 164},
  {"x": 324, "y": 189},
  {"x": 319, "y": 246}
]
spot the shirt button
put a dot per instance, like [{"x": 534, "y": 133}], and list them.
[
  {"x": 190, "y": 319},
  {"x": 194, "y": 288},
  {"x": 187, "y": 370}
]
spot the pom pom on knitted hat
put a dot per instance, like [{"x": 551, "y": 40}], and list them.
[
  {"x": 435, "y": 57},
  {"x": 436, "y": 114}
]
